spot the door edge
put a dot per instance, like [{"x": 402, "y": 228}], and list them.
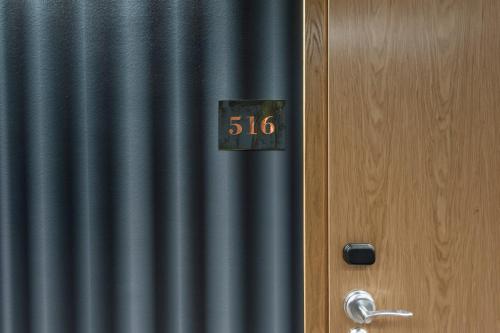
[{"x": 315, "y": 166}]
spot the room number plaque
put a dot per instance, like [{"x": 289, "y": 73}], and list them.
[{"x": 251, "y": 125}]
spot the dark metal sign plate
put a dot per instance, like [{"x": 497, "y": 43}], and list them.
[{"x": 252, "y": 125}]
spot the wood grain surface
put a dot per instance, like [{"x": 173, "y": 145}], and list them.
[
  {"x": 315, "y": 166},
  {"x": 414, "y": 160}
]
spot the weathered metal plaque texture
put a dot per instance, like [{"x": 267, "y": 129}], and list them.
[{"x": 252, "y": 125}]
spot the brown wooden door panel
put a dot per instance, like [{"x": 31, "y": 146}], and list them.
[{"x": 414, "y": 160}]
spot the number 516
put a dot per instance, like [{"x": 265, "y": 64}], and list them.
[{"x": 266, "y": 126}]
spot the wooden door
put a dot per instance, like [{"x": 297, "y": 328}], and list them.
[{"x": 414, "y": 161}]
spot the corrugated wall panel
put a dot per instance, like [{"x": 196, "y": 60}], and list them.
[{"x": 118, "y": 213}]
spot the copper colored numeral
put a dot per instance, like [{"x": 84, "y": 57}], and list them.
[
  {"x": 237, "y": 127},
  {"x": 251, "y": 122},
  {"x": 267, "y": 127}
]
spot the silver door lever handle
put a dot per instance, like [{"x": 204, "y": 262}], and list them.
[{"x": 360, "y": 307}]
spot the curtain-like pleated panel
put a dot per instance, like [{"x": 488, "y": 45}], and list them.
[{"x": 118, "y": 213}]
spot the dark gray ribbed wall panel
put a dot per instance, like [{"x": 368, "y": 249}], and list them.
[{"x": 118, "y": 213}]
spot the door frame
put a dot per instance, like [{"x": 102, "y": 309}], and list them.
[{"x": 315, "y": 166}]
